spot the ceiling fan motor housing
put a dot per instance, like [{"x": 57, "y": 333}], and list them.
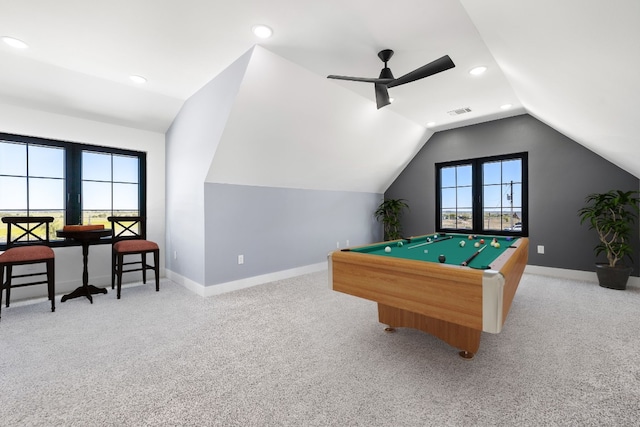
[{"x": 386, "y": 73}]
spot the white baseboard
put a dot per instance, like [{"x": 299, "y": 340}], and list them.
[
  {"x": 221, "y": 288},
  {"x": 586, "y": 276},
  {"x": 207, "y": 291},
  {"x": 192, "y": 285}
]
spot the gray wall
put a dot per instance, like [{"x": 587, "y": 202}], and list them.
[
  {"x": 561, "y": 174},
  {"x": 279, "y": 229}
]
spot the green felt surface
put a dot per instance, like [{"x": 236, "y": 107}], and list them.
[{"x": 418, "y": 248}]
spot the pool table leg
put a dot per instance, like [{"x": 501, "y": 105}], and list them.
[{"x": 462, "y": 337}]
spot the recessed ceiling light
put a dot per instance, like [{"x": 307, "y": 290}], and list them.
[
  {"x": 15, "y": 43},
  {"x": 262, "y": 31},
  {"x": 138, "y": 79},
  {"x": 506, "y": 106},
  {"x": 478, "y": 70},
  {"x": 391, "y": 100}
]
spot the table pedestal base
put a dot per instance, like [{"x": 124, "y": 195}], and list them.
[
  {"x": 462, "y": 337},
  {"x": 85, "y": 291}
]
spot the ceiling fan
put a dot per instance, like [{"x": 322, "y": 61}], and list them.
[{"x": 386, "y": 79}]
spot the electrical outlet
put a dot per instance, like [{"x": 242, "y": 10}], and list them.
[
  {"x": 175, "y": 254},
  {"x": 338, "y": 245},
  {"x": 347, "y": 242},
  {"x": 540, "y": 249},
  {"x": 240, "y": 259}
]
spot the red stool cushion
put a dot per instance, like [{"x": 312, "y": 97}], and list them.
[
  {"x": 26, "y": 254},
  {"x": 133, "y": 246}
]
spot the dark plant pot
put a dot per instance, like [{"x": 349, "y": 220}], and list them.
[{"x": 613, "y": 277}]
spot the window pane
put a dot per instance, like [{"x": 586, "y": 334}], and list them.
[
  {"x": 464, "y": 198},
  {"x": 448, "y": 177},
  {"x": 464, "y": 220},
  {"x": 502, "y": 208},
  {"x": 13, "y": 193},
  {"x": 96, "y": 195},
  {"x": 46, "y": 193},
  {"x": 512, "y": 170},
  {"x": 96, "y": 166},
  {"x": 492, "y": 220},
  {"x": 13, "y": 159},
  {"x": 491, "y": 197},
  {"x": 491, "y": 173},
  {"x": 46, "y": 161},
  {"x": 125, "y": 196},
  {"x": 464, "y": 175},
  {"x": 456, "y": 197},
  {"x": 125, "y": 169},
  {"x": 447, "y": 218},
  {"x": 98, "y": 201},
  {"x": 96, "y": 217},
  {"x": 448, "y": 198}
]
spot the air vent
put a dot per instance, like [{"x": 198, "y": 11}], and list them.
[{"x": 459, "y": 111}]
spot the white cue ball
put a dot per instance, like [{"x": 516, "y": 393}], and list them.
[
  {"x": 476, "y": 244},
  {"x": 387, "y": 249}
]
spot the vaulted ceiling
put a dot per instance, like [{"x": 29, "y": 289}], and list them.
[{"x": 571, "y": 64}]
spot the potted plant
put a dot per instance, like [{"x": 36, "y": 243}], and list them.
[
  {"x": 389, "y": 212},
  {"x": 612, "y": 215}
]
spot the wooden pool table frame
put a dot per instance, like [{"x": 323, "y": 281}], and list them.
[{"x": 451, "y": 302}]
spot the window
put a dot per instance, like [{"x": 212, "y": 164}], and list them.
[
  {"x": 486, "y": 195},
  {"x": 74, "y": 183},
  {"x": 110, "y": 185}
]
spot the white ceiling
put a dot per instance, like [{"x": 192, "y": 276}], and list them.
[{"x": 572, "y": 64}]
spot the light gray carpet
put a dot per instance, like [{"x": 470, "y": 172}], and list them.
[{"x": 295, "y": 353}]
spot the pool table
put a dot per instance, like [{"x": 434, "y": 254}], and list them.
[{"x": 455, "y": 300}]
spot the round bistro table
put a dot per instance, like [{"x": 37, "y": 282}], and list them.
[{"x": 86, "y": 238}]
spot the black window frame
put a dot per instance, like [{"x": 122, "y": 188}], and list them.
[
  {"x": 73, "y": 177},
  {"x": 477, "y": 194}
]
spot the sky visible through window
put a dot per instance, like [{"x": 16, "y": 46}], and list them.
[
  {"x": 107, "y": 186},
  {"x": 33, "y": 177},
  {"x": 498, "y": 190}
]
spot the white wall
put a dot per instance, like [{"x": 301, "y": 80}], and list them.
[
  {"x": 192, "y": 141},
  {"x": 41, "y": 124}
]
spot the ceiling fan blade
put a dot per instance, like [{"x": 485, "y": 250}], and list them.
[
  {"x": 360, "y": 79},
  {"x": 434, "y": 67},
  {"x": 382, "y": 95}
]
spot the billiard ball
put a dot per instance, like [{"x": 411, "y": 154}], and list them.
[
  {"x": 387, "y": 249},
  {"x": 476, "y": 244},
  {"x": 400, "y": 244},
  {"x": 462, "y": 243},
  {"x": 442, "y": 258},
  {"x": 435, "y": 236},
  {"x": 482, "y": 241},
  {"x": 496, "y": 245},
  {"x": 470, "y": 236}
]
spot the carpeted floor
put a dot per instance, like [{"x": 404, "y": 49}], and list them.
[{"x": 295, "y": 353}]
